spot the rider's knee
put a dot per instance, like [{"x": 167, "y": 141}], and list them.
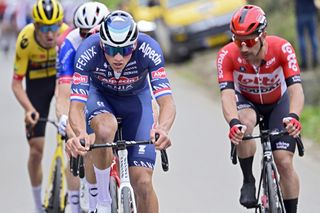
[
  {"x": 285, "y": 166},
  {"x": 143, "y": 186},
  {"x": 36, "y": 155},
  {"x": 249, "y": 120}
]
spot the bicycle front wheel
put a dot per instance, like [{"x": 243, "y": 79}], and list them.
[
  {"x": 127, "y": 200},
  {"x": 274, "y": 193},
  {"x": 113, "y": 188},
  {"x": 54, "y": 199}
]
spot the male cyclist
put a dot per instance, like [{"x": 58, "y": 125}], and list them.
[
  {"x": 111, "y": 80},
  {"x": 35, "y": 60},
  {"x": 259, "y": 75},
  {"x": 87, "y": 16}
]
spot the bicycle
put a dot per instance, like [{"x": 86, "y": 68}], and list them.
[
  {"x": 55, "y": 197},
  {"x": 121, "y": 190},
  {"x": 271, "y": 200}
]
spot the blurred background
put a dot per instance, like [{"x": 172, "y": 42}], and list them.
[{"x": 190, "y": 33}]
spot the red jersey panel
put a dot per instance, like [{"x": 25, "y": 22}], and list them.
[{"x": 263, "y": 85}]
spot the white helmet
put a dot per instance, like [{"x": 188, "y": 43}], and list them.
[
  {"x": 119, "y": 29},
  {"x": 90, "y": 14}
]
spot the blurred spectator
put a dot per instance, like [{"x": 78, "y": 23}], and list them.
[
  {"x": 69, "y": 7},
  {"x": 3, "y": 5},
  {"x": 306, "y": 13}
]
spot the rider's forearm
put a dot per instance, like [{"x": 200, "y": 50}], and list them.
[
  {"x": 21, "y": 95},
  {"x": 77, "y": 118},
  {"x": 167, "y": 112},
  {"x": 229, "y": 104},
  {"x": 296, "y": 97},
  {"x": 62, "y": 99}
]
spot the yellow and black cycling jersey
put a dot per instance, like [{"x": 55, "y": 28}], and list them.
[{"x": 32, "y": 60}]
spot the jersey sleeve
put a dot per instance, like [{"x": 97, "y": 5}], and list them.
[
  {"x": 225, "y": 69},
  {"x": 66, "y": 61},
  {"x": 81, "y": 67},
  {"x": 22, "y": 56},
  {"x": 290, "y": 64},
  {"x": 158, "y": 77}
]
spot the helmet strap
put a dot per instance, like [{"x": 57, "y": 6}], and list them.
[{"x": 261, "y": 45}]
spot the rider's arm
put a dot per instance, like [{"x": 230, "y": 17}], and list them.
[
  {"x": 77, "y": 117},
  {"x": 296, "y": 98},
  {"x": 229, "y": 106},
  {"x": 21, "y": 95},
  {"x": 167, "y": 112}
]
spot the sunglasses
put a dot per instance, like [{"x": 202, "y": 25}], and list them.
[
  {"x": 47, "y": 28},
  {"x": 112, "y": 51},
  {"x": 248, "y": 42}
]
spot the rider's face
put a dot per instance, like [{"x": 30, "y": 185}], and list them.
[
  {"x": 47, "y": 34},
  {"x": 118, "y": 58},
  {"x": 249, "y": 45}
]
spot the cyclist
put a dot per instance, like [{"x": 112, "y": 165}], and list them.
[
  {"x": 118, "y": 61},
  {"x": 259, "y": 75},
  {"x": 35, "y": 60},
  {"x": 87, "y": 16}
]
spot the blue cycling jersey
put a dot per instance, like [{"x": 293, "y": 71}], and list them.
[
  {"x": 91, "y": 67},
  {"x": 67, "y": 54}
]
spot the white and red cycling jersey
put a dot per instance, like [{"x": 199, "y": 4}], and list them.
[{"x": 263, "y": 85}]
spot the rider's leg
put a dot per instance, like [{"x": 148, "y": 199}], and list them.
[
  {"x": 246, "y": 151},
  {"x": 289, "y": 180},
  {"x": 91, "y": 180},
  {"x": 104, "y": 126},
  {"x": 73, "y": 184},
  {"x": 35, "y": 170},
  {"x": 141, "y": 180}
]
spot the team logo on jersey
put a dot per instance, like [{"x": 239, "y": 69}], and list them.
[
  {"x": 291, "y": 56},
  {"x": 160, "y": 73},
  {"x": 222, "y": 54},
  {"x": 150, "y": 53},
  {"x": 79, "y": 79},
  {"x": 85, "y": 57},
  {"x": 24, "y": 42}
]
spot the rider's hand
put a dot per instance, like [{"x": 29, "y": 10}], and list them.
[
  {"x": 31, "y": 118},
  {"x": 62, "y": 125},
  {"x": 292, "y": 124},
  {"x": 236, "y": 131},
  {"x": 74, "y": 147},
  {"x": 163, "y": 141}
]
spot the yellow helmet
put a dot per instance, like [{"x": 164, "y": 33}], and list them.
[{"x": 47, "y": 12}]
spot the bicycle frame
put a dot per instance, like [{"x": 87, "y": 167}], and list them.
[{"x": 267, "y": 163}]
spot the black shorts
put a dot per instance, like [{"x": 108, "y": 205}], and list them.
[
  {"x": 272, "y": 118},
  {"x": 40, "y": 93}
]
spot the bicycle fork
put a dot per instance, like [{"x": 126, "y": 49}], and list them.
[{"x": 125, "y": 180}]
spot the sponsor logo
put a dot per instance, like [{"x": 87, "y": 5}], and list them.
[
  {"x": 222, "y": 54},
  {"x": 254, "y": 80},
  {"x": 223, "y": 85},
  {"x": 242, "y": 69},
  {"x": 24, "y": 42},
  {"x": 150, "y": 53},
  {"x": 85, "y": 57},
  {"x": 160, "y": 73},
  {"x": 143, "y": 164},
  {"x": 142, "y": 149},
  {"x": 282, "y": 145},
  {"x": 296, "y": 78},
  {"x": 79, "y": 79},
  {"x": 121, "y": 81},
  {"x": 291, "y": 56},
  {"x": 271, "y": 61}
]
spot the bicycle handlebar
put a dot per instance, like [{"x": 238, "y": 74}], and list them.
[
  {"x": 29, "y": 127},
  {"x": 76, "y": 164},
  {"x": 233, "y": 154}
]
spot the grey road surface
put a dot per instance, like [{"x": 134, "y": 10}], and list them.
[{"x": 201, "y": 177}]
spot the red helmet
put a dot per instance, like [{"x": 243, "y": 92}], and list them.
[{"x": 249, "y": 19}]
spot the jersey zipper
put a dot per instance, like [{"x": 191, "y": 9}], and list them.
[{"x": 257, "y": 69}]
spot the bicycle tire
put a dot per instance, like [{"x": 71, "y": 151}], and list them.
[
  {"x": 54, "y": 199},
  {"x": 272, "y": 194},
  {"x": 127, "y": 201},
  {"x": 113, "y": 188}
]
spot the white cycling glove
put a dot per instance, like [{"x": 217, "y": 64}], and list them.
[{"x": 62, "y": 125}]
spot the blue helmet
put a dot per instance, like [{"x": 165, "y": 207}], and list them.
[{"x": 119, "y": 29}]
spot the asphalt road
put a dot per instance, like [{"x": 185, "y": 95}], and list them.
[{"x": 201, "y": 177}]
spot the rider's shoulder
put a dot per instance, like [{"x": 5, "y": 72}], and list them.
[
  {"x": 149, "y": 49},
  {"x": 276, "y": 41}
]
